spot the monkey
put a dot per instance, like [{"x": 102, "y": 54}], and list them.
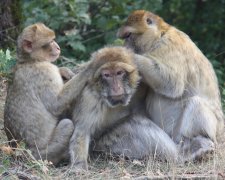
[
  {"x": 107, "y": 102},
  {"x": 37, "y": 96},
  {"x": 183, "y": 97}
]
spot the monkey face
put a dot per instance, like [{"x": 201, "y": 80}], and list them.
[
  {"x": 141, "y": 31},
  {"x": 47, "y": 52},
  {"x": 115, "y": 87},
  {"x": 116, "y": 76},
  {"x": 37, "y": 43},
  {"x": 53, "y": 49}
]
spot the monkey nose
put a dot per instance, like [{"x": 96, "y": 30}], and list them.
[
  {"x": 124, "y": 32},
  {"x": 126, "y": 35}
]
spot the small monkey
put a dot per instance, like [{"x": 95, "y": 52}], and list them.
[
  {"x": 37, "y": 96},
  {"x": 183, "y": 97}
]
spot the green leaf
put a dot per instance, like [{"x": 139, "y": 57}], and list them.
[{"x": 8, "y": 56}]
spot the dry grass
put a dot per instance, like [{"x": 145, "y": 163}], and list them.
[{"x": 21, "y": 165}]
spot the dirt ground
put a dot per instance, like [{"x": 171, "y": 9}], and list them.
[{"x": 20, "y": 165}]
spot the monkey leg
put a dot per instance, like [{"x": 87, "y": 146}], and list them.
[
  {"x": 197, "y": 132},
  {"x": 57, "y": 147},
  {"x": 78, "y": 148},
  {"x": 137, "y": 139}
]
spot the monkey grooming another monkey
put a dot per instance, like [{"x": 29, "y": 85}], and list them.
[
  {"x": 109, "y": 104},
  {"x": 183, "y": 97},
  {"x": 37, "y": 96}
]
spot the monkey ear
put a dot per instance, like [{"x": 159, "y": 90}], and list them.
[
  {"x": 27, "y": 46},
  {"x": 34, "y": 28}
]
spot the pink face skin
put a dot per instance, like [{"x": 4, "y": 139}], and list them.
[{"x": 114, "y": 78}]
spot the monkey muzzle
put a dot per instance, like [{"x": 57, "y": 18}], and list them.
[{"x": 123, "y": 100}]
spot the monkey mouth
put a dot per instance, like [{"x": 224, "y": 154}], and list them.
[
  {"x": 55, "y": 55},
  {"x": 113, "y": 101}
]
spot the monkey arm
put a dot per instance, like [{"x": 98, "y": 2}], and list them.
[
  {"x": 161, "y": 77},
  {"x": 71, "y": 90},
  {"x": 80, "y": 67}
]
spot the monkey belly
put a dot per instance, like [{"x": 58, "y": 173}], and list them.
[{"x": 165, "y": 112}]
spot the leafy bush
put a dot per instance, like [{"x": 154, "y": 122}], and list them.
[
  {"x": 83, "y": 26},
  {"x": 68, "y": 18}
]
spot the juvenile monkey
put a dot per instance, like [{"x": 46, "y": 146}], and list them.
[
  {"x": 37, "y": 96},
  {"x": 108, "y": 104},
  {"x": 183, "y": 97}
]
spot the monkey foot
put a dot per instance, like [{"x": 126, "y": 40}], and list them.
[
  {"x": 199, "y": 148},
  {"x": 79, "y": 167}
]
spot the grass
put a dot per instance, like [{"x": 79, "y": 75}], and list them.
[{"x": 20, "y": 164}]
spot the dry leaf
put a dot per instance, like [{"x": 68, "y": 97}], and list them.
[
  {"x": 139, "y": 163},
  {"x": 7, "y": 150}
]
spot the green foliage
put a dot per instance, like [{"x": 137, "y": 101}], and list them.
[
  {"x": 6, "y": 62},
  {"x": 107, "y": 16},
  {"x": 6, "y": 162},
  {"x": 68, "y": 18},
  {"x": 83, "y": 26}
]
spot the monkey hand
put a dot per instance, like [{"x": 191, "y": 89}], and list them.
[{"x": 66, "y": 73}]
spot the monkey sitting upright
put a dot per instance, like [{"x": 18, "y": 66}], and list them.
[
  {"x": 183, "y": 97},
  {"x": 37, "y": 96},
  {"x": 114, "y": 82}
]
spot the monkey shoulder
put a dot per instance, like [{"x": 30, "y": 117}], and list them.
[{"x": 36, "y": 80}]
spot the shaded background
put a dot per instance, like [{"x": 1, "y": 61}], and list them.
[{"x": 83, "y": 26}]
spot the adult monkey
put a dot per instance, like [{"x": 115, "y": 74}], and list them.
[
  {"x": 37, "y": 96},
  {"x": 183, "y": 98},
  {"x": 104, "y": 106}
]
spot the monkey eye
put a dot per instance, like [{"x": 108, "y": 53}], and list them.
[
  {"x": 119, "y": 73},
  {"x": 45, "y": 46},
  {"x": 149, "y": 21},
  {"x": 106, "y": 75}
]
